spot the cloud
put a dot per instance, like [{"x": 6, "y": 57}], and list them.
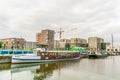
[{"x": 78, "y": 18}]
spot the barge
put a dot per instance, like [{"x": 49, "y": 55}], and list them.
[{"x": 45, "y": 56}]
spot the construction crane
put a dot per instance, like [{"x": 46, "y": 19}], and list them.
[{"x": 60, "y": 33}]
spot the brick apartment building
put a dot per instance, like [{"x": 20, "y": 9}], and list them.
[
  {"x": 45, "y": 39},
  {"x": 13, "y": 43}
]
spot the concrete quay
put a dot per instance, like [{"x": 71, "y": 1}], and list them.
[{"x": 5, "y": 59}]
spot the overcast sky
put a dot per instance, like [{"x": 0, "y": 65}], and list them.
[{"x": 78, "y": 18}]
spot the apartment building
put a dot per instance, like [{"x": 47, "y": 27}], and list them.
[
  {"x": 94, "y": 43},
  {"x": 56, "y": 44},
  {"x": 45, "y": 39},
  {"x": 78, "y": 42},
  {"x": 13, "y": 43},
  {"x": 64, "y": 44}
]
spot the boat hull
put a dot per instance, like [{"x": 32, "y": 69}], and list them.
[
  {"x": 95, "y": 56},
  {"x": 21, "y": 61}
]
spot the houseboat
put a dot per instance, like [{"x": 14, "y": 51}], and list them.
[{"x": 45, "y": 56}]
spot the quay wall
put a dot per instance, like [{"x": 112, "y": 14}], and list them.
[{"x": 5, "y": 59}]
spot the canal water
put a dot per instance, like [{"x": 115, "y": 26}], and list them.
[{"x": 84, "y": 69}]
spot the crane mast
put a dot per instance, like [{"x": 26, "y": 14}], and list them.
[{"x": 60, "y": 34}]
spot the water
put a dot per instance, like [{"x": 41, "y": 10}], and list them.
[{"x": 84, "y": 69}]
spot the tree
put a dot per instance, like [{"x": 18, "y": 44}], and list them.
[
  {"x": 31, "y": 49},
  {"x": 0, "y": 44},
  {"x": 67, "y": 46}
]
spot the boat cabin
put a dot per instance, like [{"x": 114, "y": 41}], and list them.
[{"x": 57, "y": 54}]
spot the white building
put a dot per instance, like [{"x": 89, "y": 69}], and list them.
[
  {"x": 63, "y": 43},
  {"x": 94, "y": 43},
  {"x": 28, "y": 45},
  {"x": 114, "y": 49},
  {"x": 56, "y": 44}
]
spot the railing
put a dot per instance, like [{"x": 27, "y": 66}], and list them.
[{"x": 8, "y": 52}]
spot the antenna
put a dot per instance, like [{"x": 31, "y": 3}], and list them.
[{"x": 112, "y": 40}]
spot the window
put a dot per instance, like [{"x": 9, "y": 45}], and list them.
[
  {"x": 46, "y": 54},
  {"x": 18, "y": 42},
  {"x": 111, "y": 49},
  {"x": 116, "y": 50},
  {"x": 42, "y": 54}
]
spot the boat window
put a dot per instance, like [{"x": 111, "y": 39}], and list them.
[
  {"x": 50, "y": 54},
  {"x": 42, "y": 54},
  {"x": 64, "y": 54},
  {"x": 38, "y": 51},
  {"x": 112, "y": 50},
  {"x": 56, "y": 54},
  {"x": 38, "y": 54},
  {"x": 46, "y": 54}
]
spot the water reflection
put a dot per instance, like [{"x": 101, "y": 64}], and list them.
[
  {"x": 38, "y": 71},
  {"x": 84, "y": 69},
  {"x": 5, "y": 72},
  {"x": 5, "y": 66}
]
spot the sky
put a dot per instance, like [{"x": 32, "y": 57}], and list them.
[{"x": 77, "y": 18}]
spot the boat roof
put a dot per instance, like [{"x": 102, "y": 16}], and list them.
[{"x": 59, "y": 51}]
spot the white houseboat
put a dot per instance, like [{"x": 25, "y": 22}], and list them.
[{"x": 45, "y": 56}]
